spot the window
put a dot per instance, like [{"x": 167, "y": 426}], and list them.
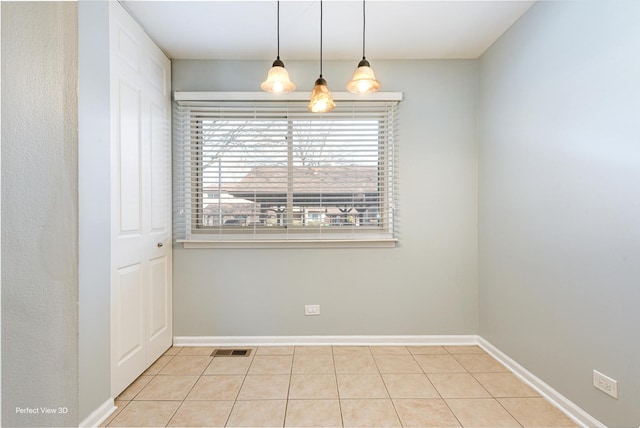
[{"x": 272, "y": 171}]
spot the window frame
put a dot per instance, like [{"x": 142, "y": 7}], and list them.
[{"x": 289, "y": 235}]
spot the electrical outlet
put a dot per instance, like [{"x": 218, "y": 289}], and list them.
[
  {"x": 605, "y": 384},
  {"x": 312, "y": 309}
]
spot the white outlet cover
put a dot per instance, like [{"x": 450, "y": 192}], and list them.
[
  {"x": 605, "y": 384},
  {"x": 312, "y": 309}
]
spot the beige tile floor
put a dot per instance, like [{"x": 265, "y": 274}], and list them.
[{"x": 333, "y": 386}]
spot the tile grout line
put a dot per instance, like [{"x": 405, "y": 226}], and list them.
[
  {"x": 443, "y": 399},
  {"x": 141, "y": 389},
  {"x": 190, "y": 389},
  {"x": 425, "y": 374},
  {"x": 286, "y": 401},
  {"x": 335, "y": 375},
  {"x": 432, "y": 385},
  {"x": 244, "y": 378},
  {"x": 483, "y": 387},
  {"x": 510, "y": 414},
  {"x": 496, "y": 398},
  {"x": 174, "y": 413},
  {"x": 385, "y": 385}
]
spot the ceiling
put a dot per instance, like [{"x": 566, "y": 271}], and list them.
[{"x": 246, "y": 30}]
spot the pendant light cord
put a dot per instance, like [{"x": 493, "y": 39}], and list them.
[
  {"x": 320, "y": 38},
  {"x": 278, "y": 25},
  {"x": 364, "y": 23}
]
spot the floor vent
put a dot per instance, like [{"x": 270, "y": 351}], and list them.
[{"x": 231, "y": 353}]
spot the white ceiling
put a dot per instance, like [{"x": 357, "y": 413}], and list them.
[{"x": 395, "y": 29}]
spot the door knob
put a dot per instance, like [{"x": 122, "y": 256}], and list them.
[{"x": 160, "y": 245}]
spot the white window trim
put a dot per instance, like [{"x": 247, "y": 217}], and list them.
[
  {"x": 265, "y": 96},
  {"x": 283, "y": 243}
]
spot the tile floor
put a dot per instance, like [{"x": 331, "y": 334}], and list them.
[{"x": 333, "y": 386}]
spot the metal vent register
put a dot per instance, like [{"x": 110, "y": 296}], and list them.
[{"x": 231, "y": 353}]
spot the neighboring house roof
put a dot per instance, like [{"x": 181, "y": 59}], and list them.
[
  {"x": 214, "y": 208},
  {"x": 335, "y": 184}
]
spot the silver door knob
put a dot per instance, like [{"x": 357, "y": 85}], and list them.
[{"x": 160, "y": 244}]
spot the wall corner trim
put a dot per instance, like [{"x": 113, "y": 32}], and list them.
[
  {"x": 100, "y": 414},
  {"x": 568, "y": 407}
]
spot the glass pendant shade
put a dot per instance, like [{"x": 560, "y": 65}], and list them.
[
  {"x": 278, "y": 79},
  {"x": 321, "y": 100},
  {"x": 364, "y": 80}
]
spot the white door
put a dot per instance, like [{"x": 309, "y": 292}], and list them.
[{"x": 141, "y": 318}]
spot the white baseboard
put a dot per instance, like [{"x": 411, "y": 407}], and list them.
[
  {"x": 569, "y": 408},
  {"x": 100, "y": 414},
  {"x": 365, "y": 340}
]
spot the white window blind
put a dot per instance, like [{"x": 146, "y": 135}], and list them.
[{"x": 271, "y": 170}]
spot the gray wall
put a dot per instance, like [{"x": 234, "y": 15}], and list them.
[
  {"x": 559, "y": 199},
  {"x": 39, "y": 213},
  {"x": 427, "y": 285},
  {"x": 94, "y": 154}
]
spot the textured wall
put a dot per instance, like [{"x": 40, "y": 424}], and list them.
[
  {"x": 427, "y": 285},
  {"x": 559, "y": 200},
  {"x": 39, "y": 214}
]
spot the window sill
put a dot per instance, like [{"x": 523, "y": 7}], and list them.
[{"x": 297, "y": 243}]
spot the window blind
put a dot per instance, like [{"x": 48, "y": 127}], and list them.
[{"x": 271, "y": 170}]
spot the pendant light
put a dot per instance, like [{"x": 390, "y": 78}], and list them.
[
  {"x": 364, "y": 80},
  {"x": 278, "y": 78},
  {"x": 321, "y": 100}
]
